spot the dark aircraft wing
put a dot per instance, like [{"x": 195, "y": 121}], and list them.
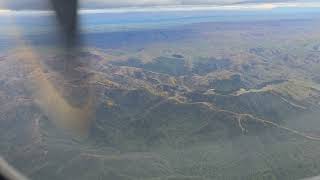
[{"x": 66, "y": 13}]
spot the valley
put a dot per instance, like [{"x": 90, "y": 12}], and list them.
[{"x": 206, "y": 100}]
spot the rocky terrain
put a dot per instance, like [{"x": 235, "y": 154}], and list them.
[{"x": 211, "y": 101}]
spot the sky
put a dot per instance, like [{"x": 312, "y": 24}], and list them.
[{"x": 99, "y": 4}]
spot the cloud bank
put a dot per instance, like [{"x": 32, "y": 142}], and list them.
[{"x": 104, "y": 4}]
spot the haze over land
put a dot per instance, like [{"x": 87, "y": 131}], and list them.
[{"x": 163, "y": 95}]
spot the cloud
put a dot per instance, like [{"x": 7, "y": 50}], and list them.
[
  {"x": 24, "y": 4},
  {"x": 98, "y": 4},
  {"x": 148, "y": 3}
]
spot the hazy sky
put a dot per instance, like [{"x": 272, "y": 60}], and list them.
[{"x": 42, "y": 4}]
